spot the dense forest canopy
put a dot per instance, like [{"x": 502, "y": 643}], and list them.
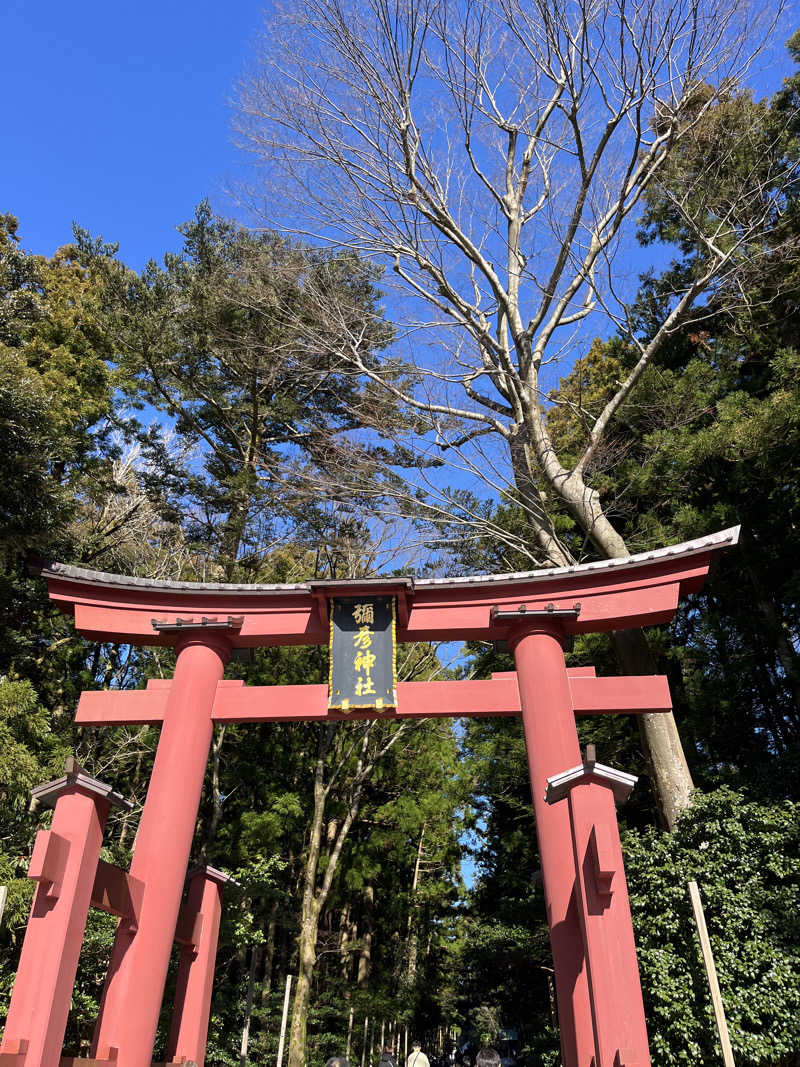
[{"x": 240, "y": 413}]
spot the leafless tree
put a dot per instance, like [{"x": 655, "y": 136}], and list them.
[
  {"x": 119, "y": 527},
  {"x": 497, "y": 156}
]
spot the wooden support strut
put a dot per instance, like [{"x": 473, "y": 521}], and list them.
[
  {"x": 592, "y": 791},
  {"x": 118, "y": 893},
  {"x": 64, "y": 863}
]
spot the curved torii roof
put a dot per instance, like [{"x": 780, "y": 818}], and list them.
[{"x": 613, "y": 594}]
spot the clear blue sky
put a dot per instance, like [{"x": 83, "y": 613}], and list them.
[{"x": 116, "y": 116}]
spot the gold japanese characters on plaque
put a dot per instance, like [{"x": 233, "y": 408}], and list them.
[{"x": 362, "y": 665}]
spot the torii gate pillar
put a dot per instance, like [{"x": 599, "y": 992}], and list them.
[
  {"x": 599, "y": 995},
  {"x": 591, "y": 791},
  {"x": 551, "y": 740},
  {"x": 131, "y": 1003}
]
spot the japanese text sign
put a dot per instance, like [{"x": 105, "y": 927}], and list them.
[{"x": 362, "y": 670}]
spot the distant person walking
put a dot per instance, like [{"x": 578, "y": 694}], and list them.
[
  {"x": 416, "y": 1057},
  {"x": 387, "y": 1059},
  {"x": 487, "y": 1057}
]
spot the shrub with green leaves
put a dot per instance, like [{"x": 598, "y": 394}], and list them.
[{"x": 744, "y": 857}]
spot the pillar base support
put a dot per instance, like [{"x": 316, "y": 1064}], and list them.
[{"x": 592, "y": 792}]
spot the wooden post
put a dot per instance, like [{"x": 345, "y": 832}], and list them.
[
  {"x": 383, "y": 1034},
  {"x": 619, "y": 1031},
  {"x": 711, "y": 972},
  {"x": 405, "y": 1044},
  {"x": 64, "y": 863},
  {"x": 349, "y": 1033},
  {"x": 195, "y": 980},
  {"x": 283, "y": 1020}
]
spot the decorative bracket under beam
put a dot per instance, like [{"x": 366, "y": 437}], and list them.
[
  {"x": 523, "y": 612},
  {"x": 204, "y": 623}
]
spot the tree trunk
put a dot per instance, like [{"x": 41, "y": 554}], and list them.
[
  {"x": 663, "y": 752},
  {"x": 236, "y": 523},
  {"x": 365, "y": 955},
  {"x": 302, "y": 995},
  {"x": 349, "y": 1033},
  {"x": 526, "y": 486},
  {"x": 216, "y": 799},
  {"x": 344, "y": 942},
  {"x": 669, "y": 771},
  {"x": 314, "y": 897},
  {"x": 309, "y": 916},
  {"x": 255, "y": 958},
  {"x": 412, "y": 935},
  {"x": 269, "y": 954}
]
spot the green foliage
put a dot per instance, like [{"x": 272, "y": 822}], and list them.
[
  {"x": 30, "y": 500},
  {"x": 504, "y": 955},
  {"x": 487, "y": 1022},
  {"x": 55, "y": 385},
  {"x": 744, "y": 857},
  {"x": 238, "y": 342},
  {"x": 31, "y": 752},
  {"x": 23, "y": 729}
]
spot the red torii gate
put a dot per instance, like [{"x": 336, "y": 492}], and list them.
[{"x": 599, "y": 997}]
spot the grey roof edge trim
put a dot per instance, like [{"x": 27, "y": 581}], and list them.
[
  {"x": 46, "y": 794},
  {"x": 213, "y": 874},
  {"x": 621, "y": 782},
  {"x": 124, "y": 581},
  {"x": 721, "y": 539}
]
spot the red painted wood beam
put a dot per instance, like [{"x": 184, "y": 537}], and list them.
[
  {"x": 616, "y": 594},
  {"x": 301, "y": 703},
  {"x": 14, "y": 1059},
  {"x": 608, "y": 602}
]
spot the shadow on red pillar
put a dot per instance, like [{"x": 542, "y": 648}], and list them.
[
  {"x": 618, "y": 1021},
  {"x": 551, "y": 741},
  {"x": 64, "y": 863},
  {"x": 203, "y": 909},
  {"x": 137, "y": 973}
]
